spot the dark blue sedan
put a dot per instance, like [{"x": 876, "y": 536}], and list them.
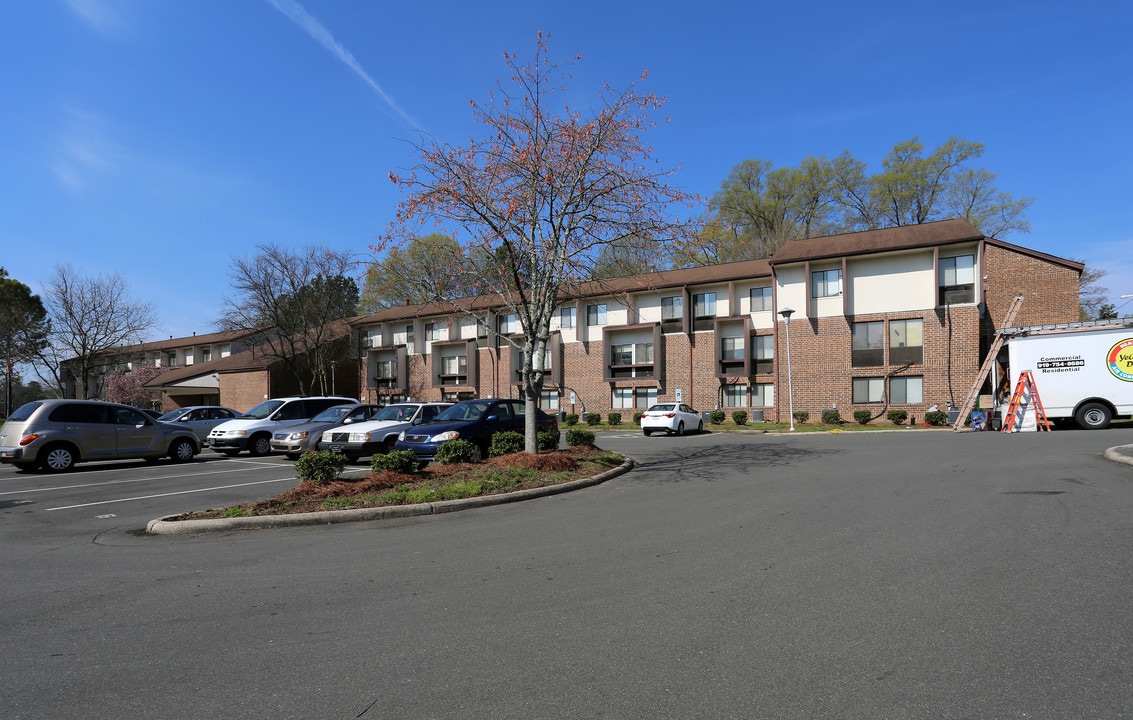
[{"x": 472, "y": 420}]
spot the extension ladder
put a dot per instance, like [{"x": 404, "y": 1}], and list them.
[
  {"x": 996, "y": 343},
  {"x": 1026, "y": 393}
]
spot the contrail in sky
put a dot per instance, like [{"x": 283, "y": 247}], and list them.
[{"x": 295, "y": 12}]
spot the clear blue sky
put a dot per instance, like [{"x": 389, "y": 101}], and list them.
[{"x": 162, "y": 139}]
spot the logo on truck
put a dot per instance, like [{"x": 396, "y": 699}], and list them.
[{"x": 1120, "y": 360}]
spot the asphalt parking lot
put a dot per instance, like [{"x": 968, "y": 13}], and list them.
[{"x": 888, "y": 575}]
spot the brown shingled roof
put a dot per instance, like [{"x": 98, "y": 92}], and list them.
[
  {"x": 725, "y": 272},
  {"x": 906, "y": 237}
]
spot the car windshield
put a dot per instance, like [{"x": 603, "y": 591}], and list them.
[
  {"x": 173, "y": 415},
  {"x": 471, "y": 410},
  {"x": 264, "y": 409},
  {"x": 661, "y": 408},
  {"x": 333, "y": 414},
  {"x": 395, "y": 412}
]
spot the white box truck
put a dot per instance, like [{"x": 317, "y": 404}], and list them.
[{"x": 1082, "y": 371}]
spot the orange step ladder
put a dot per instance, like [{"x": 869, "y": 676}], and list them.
[{"x": 1026, "y": 393}]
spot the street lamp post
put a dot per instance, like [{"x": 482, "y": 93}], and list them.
[{"x": 787, "y": 313}]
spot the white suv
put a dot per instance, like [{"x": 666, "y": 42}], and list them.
[{"x": 252, "y": 431}]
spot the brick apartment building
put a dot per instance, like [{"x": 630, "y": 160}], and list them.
[{"x": 893, "y": 318}]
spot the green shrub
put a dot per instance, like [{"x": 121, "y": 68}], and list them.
[
  {"x": 614, "y": 419},
  {"x": 456, "y": 451},
  {"x": 637, "y": 418},
  {"x": 831, "y": 417},
  {"x": 936, "y": 418},
  {"x": 402, "y": 461},
  {"x": 897, "y": 417},
  {"x": 863, "y": 416},
  {"x": 716, "y": 417},
  {"x": 579, "y": 436},
  {"x": 320, "y": 467},
  {"x": 506, "y": 443},
  {"x": 547, "y": 440},
  {"x": 739, "y": 417},
  {"x": 593, "y": 418},
  {"x": 801, "y": 416},
  {"x": 572, "y": 419}
]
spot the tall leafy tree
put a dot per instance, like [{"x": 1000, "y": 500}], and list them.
[
  {"x": 24, "y": 328},
  {"x": 90, "y": 316},
  {"x": 427, "y": 268},
  {"x": 542, "y": 195},
  {"x": 289, "y": 302},
  {"x": 759, "y": 207}
]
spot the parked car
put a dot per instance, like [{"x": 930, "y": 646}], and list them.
[
  {"x": 201, "y": 419},
  {"x": 56, "y": 434},
  {"x": 472, "y": 420},
  {"x": 672, "y": 418},
  {"x": 252, "y": 431},
  {"x": 379, "y": 433},
  {"x": 298, "y": 439}
]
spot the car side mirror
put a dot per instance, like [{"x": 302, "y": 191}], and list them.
[{"x": 492, "y": 418}]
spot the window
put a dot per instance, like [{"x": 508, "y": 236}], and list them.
[
  {"x": 869, "y": 390},
  {"x": 826, "y": 283},
  {"x": 171, "y": 359},
  {"x": 645, "y": 397},
  {"x": 906, "y": 390},
  {"x": 957, "y": 279},
  {"x": 641, "y": 398},
  {"x": 762, "y": 395},
  {"x": 732, "y": 348},
  {"x": 225, "y": 350},
  {"x": 409, "y": 337},
  {"x": 760, "y": 299},
  {"x": 704, "y": 305},
  {"x": 454, "y": 365},
  {"x": 622, "y": 398},
  {"x": 763, "y": 352},
  {"x": 735, "y": 396},
  {"x": 633, "y": 356},
  {"x": 432, "y": 331},
  {"x": 385, "y": 370},
  {"x": 206, "y": 354},
  {"x": 507, "y": 324},
  {"x": 672, "y": 308},
  {"x": 704, "y": 311},
  {"x": 868, "y": 344},
  {"x": 596, "y": 314},
  {"x": 549, "y": 399},
  {"x": 906, "y": 342},
  {"x": 566, "y": 317}
]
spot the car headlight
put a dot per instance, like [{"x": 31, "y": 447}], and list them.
[
  {"x": 297, "y": 436},
  {"x": 450, "y": 435}
]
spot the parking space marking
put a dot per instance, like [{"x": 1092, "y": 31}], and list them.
[
  {"x": 170, "y": 494},
  {"x": 119, "y": 482}
]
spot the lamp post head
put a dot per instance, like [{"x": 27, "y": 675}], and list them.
[{"x": 787, "y": 313}]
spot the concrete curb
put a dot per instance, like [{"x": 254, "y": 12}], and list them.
[
  {"x": 167, "y": 526},
  {"x": 1116, "y": 454}
]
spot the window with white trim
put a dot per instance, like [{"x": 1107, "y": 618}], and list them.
[
  {"x": 760, "y": 299},
  {"x": 906, "y": 390},
  {"x": 868, "y": 390},
  {"x": 826, "y": 283},
  {"x": 762, "y": 395},
  {"x": 596, "y": 314}
]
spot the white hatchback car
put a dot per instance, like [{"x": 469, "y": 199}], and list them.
[{"x": 671, "y": 418}]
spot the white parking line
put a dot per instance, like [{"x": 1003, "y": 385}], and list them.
[
  {"x": 123, "y": 482},
  {"x": 170, "y": 494}
]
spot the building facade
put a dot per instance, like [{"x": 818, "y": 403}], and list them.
[{"x": 897, "y": 318}]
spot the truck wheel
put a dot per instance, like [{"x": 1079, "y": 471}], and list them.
[{"x": 1093, "y": 416}]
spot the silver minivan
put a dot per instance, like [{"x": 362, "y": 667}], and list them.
[{"x": 56, "y": 434}]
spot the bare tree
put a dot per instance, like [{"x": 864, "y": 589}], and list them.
[
  {"x": 289, "y": 301},
  {"x": 90, "y": 317},
  {"x": 542, "y": 196}
]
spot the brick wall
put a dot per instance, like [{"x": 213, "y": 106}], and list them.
[{"x": 1050, "y": 290}]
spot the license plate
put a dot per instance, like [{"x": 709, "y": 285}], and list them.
[{"x": 335, "y": 449}]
